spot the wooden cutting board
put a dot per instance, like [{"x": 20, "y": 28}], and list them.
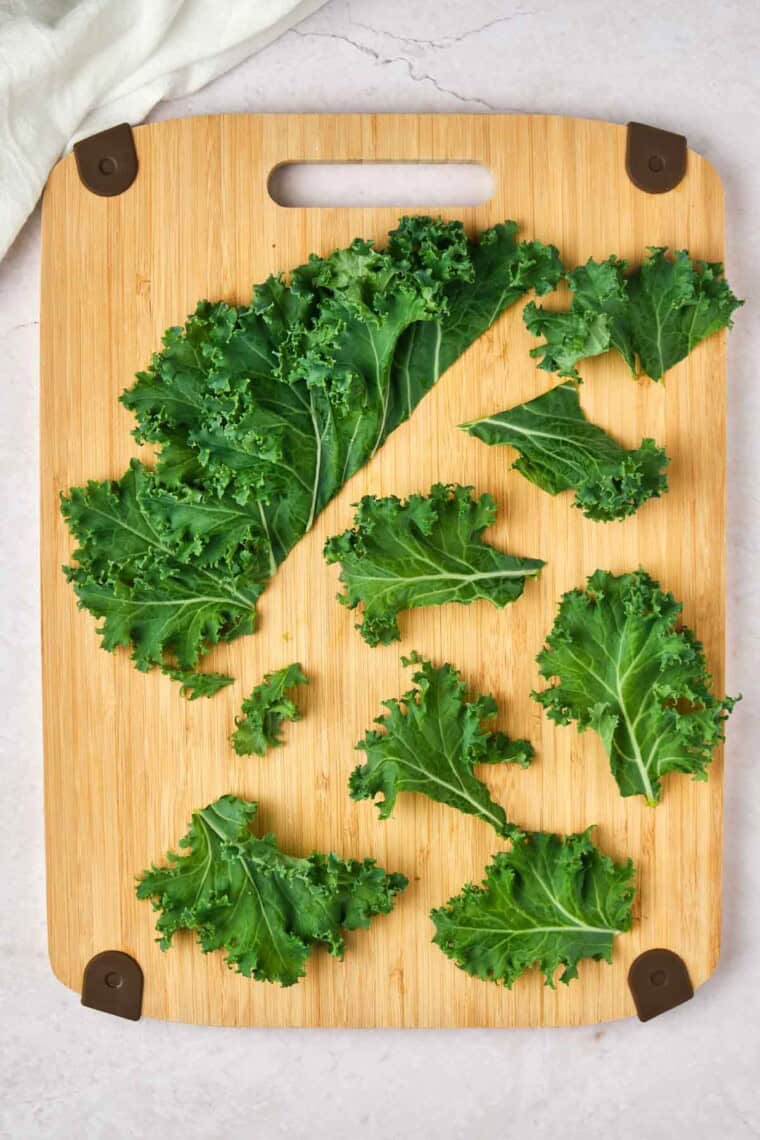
[{"x": 126, "y": 760}]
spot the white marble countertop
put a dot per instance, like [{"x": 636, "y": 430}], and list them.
[{"x": 691, "y": 66}]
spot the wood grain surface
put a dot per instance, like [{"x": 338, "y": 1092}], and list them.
[{"x": 126, "y": 759}]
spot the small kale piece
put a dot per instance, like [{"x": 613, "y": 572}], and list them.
[
  {"x": 548, "y": 902},
  {"x": 195, "y": 685},
  {"x": 626, "y": 669},
  {"x": 653, "y": 318},
  {"x": 431, "y": 740},
  {"x": 427, "y": 551},
  {"x": 265, "y": 710},
  {"x": 241, "y": 894},
  {"x": 561, "y": 450}
]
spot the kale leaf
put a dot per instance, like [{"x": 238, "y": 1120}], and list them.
[
  {"x": 561, "y": 450},
  {"x": 427, "y": 551},
  {"x": 241, "y": 894},
  {"x": 675, "y": 305},
  {"x": 653, "y": 318},
  {"x": 265, "y": 710},
  {"x": 626, "y": 669},
  {"x": 431, "y": 740},
  {"x": 548, "y": 902}
]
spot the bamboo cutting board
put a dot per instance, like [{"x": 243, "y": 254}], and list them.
[{"x": 126, "y": 760}]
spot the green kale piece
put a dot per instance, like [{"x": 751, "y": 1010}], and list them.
[
  {"x": 264, "y": 908},
  {"x": 144, "y": 580},
  {"x": 195, "y": 685},
  {"x": 427, "y": 551},
  {"x": 265, "y": 710},
  {"x": 432, "y": 739},
  {"x": 548, "y": 902},
  {"x": 627, "y": 669},
  {"x": 653, "y": 318},
  {"x": 561, "y": 450}
]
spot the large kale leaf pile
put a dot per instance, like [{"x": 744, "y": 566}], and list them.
[{"x": 260, "y": 414}]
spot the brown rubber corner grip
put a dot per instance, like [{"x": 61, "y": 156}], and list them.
[
  {"x": 659, "y": 981},
  {"x": 107, "y": 161},
  {"x": 113, "y": 983},
  {"x": 655, "y": 160}
]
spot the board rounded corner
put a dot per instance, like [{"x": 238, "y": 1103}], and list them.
[
  {"x": 710, "y": 172},
  {"x": 58, "y": 173},
  {"x": 59, "y": 970},
  {"x": 713, "y": 967}
]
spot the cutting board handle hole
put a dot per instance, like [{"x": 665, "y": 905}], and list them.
[{"x": 367, "y": 184}]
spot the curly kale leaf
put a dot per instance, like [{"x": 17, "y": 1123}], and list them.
[
  {"x": 561, "y": 450},
  {"x": 426, "y": 551},
  {"x": 241, "y": 894},
  {"x": 548, "y": 902},
  {"x": 626, "y": 669},
  {"x": 432, "y": 739},
  {"x": 653, "y": 318},
  {"x": 675, "y": 304},
  {"x": 140, "y": 575},
  {"x": 265, "y": 710}
]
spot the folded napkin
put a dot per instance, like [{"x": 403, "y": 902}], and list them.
[{"x": 69, "y": 68}]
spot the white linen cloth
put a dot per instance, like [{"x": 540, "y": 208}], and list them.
[{"x": 69, "y": 68}]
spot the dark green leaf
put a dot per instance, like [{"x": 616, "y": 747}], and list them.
[
  {"x": 142, "y": 581},
  {"x": 266, "y": 909},
  {"x": 627, "y": 670},
  {"x": 427, "y": 551},
  {"x": 561, "y": 450},
  {"x": 431, "y": 740},
  {"x": 195, "y": 685},
  {"x": 549, "y": 902},
  {"x": 674, "y": 305},
  {"x": 265, "y": 710},
  {"x": 655, "y": 317}
]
